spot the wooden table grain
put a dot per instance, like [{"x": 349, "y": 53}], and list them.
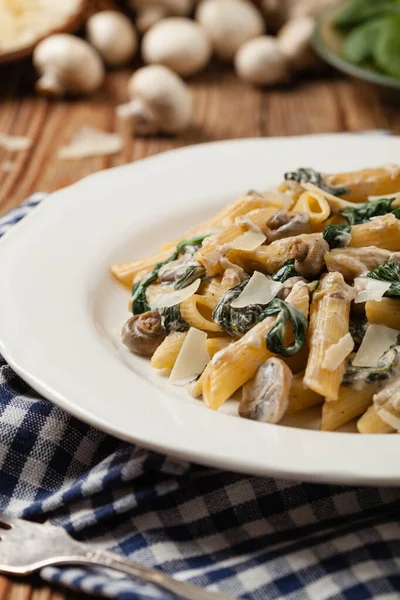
[{"x": 225, "y": 108}]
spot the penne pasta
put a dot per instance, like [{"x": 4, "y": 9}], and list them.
[
  {"x": 300, "y": 396},
  {"x": 385, "y": 312},
  {"x": 196, "y": 311},
  {"x": 315, "y": 205},
  {"x": 167, "y": 353},
  {"x": 352, "y": 262},
  {"x": 348, "y": 406},
  {"x": 212, "y": 250},
  {"x": 329, "y": 322},
  {"x": 216, "y": 344},
  {"x": 214, "y": 291},
  {"x": 235, "y": 365},
  {"x": 371, "y": 422},
  {"x": 382, "y": 232},
  {"x": 367, "y": 182}
]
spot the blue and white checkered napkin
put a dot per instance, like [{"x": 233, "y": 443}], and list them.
[{"x": 247, "y": 537}]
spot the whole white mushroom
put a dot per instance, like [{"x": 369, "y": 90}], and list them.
[
  {"x": 160, "y": 102},
  {"x": 67, "y": 64},
  {"x": 177, "y": 43},
  {"x": 261, "y": 62},
  {"x": 229, "y": 24},
  {"x": 113, "y": 35},
  {"x": 294, "y": 40}
]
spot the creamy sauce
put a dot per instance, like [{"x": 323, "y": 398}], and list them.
[
  {"x": 227, "y": 264},
  {"x": 249, "y": 223},
  {"x": 255, "y": 340}
]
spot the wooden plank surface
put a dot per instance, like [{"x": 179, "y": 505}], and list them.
[{"x": 224, "y": 109}]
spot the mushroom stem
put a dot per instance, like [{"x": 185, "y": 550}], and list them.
[
  {"x": 50, "y": 84},
  {"x": 137, "y": 117}
]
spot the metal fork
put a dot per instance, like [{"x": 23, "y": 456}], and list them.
[{"x": 26, "y": 547}]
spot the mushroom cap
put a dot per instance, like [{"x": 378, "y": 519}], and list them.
[
  {"x": 260, "y": 62},
  {"x": 113, "y": 35},
  {"x": 229, "y": 24},
  {"x": 177, "y": 43},
  {"x": 72, "y": 61},
  {"x": 24, "y": 24},
  {"x": 164, "y": 95},
  {"x": 294, "y": 40}
]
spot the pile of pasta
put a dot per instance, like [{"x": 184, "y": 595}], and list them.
[{"x": 285, "y": 300}]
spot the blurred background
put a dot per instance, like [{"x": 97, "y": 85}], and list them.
[{"x": 90, "y": 84}]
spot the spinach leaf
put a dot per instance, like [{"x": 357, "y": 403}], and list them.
[
  {"x": 358, "y": 377},
  {"x": 358, "y": 11},
  {"x": 359, "y": 46},
  {"x": 236, "y": 321},
  {"x": 139, "y": 301},
  {"x": 388, "y": 272},
  {"x": 172, "y": 319},
  {"x": 387, "y": 48},
  {"x": 357, "y": 328},
  {"x": 337, "y": 236},
  {"x": 304, "y": 175},
  {"x": 285, "y": 272},
  {"x": 361, "y": 213},
  {"x": 275, "y": 337}
]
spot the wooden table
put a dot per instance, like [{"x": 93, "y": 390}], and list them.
[{"x": 224, "y": 109}]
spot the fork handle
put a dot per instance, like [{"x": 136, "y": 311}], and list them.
[{"x": 181, "y": 589}]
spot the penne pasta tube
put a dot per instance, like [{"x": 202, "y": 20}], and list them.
[
  {"x": 226, "y": 216},
  {"x": 315, "y": 205},
  {"x": 352, "y": 262},
  {"x": 214, "y": 291},
  {"x": 167, "y": 352},
  {"x": 371, "y": 422},
  {"x": 212, "y": 250},
  {"x": 351, "y": 404},
  {"x": 385, "y": 312},
  {"x": 329, "y": 322},
  {"x": 216, "y": 344},
  {"x": 300, "y": 396},
  {"x": 197, "y": 310},
  {"x": 235, "y": 365},
  {"x": 368, "y": 182},
  {"x": 269, "y": 259},
  {"x": 382, "y": 232}
]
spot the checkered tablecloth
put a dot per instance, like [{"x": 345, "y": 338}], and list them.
[{"x": 247, "y": 537}]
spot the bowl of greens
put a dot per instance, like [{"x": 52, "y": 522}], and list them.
[{"x": 362, "y": 38}]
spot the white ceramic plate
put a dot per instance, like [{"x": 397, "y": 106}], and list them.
[{"x": 59, "y": 306}]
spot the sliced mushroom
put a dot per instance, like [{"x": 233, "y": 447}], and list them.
[
  {"x": 282, "y": 225},
  {"x": 142, "y": 334},
  {"x": 309, "y": 256},
  {"x": 288, "y": 286},
  {"x": 265, "y": 398}
]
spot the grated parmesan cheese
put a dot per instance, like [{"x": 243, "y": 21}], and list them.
[
  {"x": 192, "y": 358},
  {"x": 370, "y": 289},
  {"x": 337, "y": 353},
  {"x": 377, "y": 340},
  {"x": 259, "y": 290},
  {"x": 174, "y": 297},
  {"x": 91, "y": 142}
]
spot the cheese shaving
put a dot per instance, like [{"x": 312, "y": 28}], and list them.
[
  {"x": 377, "y": 340},
  {"x": 370, "y": 289},
  {"x": 389, "y": 418},
  {"x": 192, "y": 358},
  {"x": 14, "y": 143},
  {"x": 91, "y": 142},
  {"x": 279, "y": 199},
  {"x": 174, "y": 297},
  {"x": 248, "y": 241},
  {"x": 337, "y": 353},
  {"x": 259, "y": 290}
]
